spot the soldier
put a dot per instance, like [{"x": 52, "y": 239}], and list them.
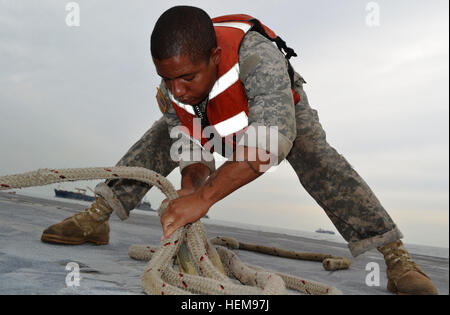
[{"x": 232, "y": 77}]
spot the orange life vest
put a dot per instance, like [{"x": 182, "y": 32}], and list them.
[{"x": 227, "y": 108}]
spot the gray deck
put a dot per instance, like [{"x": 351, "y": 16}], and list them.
[{"x": 28, "y": 266}]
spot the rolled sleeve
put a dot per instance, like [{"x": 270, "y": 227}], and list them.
[{"x": 268, "y": 139}]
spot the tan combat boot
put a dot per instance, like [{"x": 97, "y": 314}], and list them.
[
  {"x": 90, "y": 226},
  {"x": 405, "y": 277}
]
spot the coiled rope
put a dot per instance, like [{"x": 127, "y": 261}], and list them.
[{"x": 160, "y": 276}]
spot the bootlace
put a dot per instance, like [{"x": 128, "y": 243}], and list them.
[
  {"x": 397, "y": 256},
  {"x": 398, "y": 253},
  {"x": 99, "y": 210},
  {"x": 89, "y": 219}
]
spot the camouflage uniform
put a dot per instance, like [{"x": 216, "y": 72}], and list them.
[{"x": 325, "y": 174}]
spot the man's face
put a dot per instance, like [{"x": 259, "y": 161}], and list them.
[{"x": 189, "y": 82}]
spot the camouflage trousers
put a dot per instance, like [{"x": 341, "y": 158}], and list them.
[{"x": 324, "y": 173}]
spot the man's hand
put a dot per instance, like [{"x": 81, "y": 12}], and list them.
[
  {"x": 193, "y": 177},
  {"x": 229, "y": 177},
  {"x": 184, "y": 210}
]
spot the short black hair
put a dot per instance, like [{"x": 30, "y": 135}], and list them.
[{"x": 183, "y": 30}]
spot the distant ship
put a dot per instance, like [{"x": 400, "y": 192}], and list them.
[
  {"x": 324, "y": 231},
  {"x": 81, "y": 195},
  {"x": 73, "y": 195}
]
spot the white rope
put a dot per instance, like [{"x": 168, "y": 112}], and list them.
[{"x": 159, "y": 276}]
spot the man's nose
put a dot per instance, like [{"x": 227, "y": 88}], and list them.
[{"x": 178, "y": 89}]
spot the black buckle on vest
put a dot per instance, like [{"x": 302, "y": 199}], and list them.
[
  {"x": 281, "y": 44},
  {"x": 202, "y": 116},
  {"x": 205, "y": 123}
]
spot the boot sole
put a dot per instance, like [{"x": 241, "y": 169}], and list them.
[
  {"x": 57, "y": 239},
  {"x": 393, "y": 289}
]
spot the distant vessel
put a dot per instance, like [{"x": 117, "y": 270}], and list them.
[
  {"x": 74, "y": 195},
  {"x": 324, "y": 231},
  {"x": 80, "y": 194}
]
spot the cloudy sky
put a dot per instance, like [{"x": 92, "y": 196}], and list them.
[{"x": 81, "y": 96}]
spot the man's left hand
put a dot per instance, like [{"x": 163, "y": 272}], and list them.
[{"x": 184, "y": 210}]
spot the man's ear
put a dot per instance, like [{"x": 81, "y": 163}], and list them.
[{"x": 216, "y": 55}]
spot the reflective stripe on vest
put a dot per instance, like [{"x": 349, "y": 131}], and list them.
[
  {"x": 237, "y": 122},
  {"x": 232, "y": 125},
  {"x": 221, "y": 84},
  {"x": 242, "y": 26}
]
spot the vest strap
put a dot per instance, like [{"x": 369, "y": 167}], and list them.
[{"x": 281, "y": 44}]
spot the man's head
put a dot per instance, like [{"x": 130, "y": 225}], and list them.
[{"x": 185, "y": 53}]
